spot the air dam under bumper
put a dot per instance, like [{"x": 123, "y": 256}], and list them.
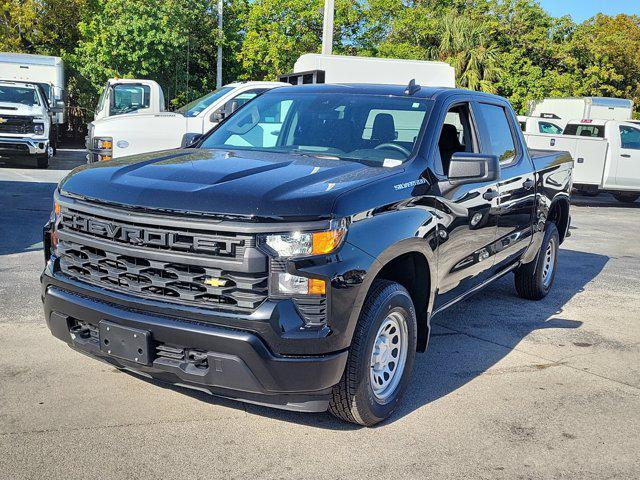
[{"x": 239, "y": 365}]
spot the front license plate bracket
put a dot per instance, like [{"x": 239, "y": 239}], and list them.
[{"x": 124, "y": 342}]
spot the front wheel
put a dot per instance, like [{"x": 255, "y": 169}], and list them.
[
  {"x": 380, "y": 358},
  {"x": 42, "y": 161},
  {"x": 534, "y": 279},
  {"x": 626, "y": 197}
]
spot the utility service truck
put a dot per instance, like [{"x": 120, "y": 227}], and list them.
[{"x": 606, "y": 155}]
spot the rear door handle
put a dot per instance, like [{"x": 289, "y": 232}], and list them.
[
  {"x": 625, "y": 155},
  {"x": 490, "y": 194},
  {"x": 528, "y": 184}
]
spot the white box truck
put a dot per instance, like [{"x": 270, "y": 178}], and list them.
[
  {"x": 48, "y": 72},
  {"x": 606, "y": 155},
  {"x": 318, "y": 68}
]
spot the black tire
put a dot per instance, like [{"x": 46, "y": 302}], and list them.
[
  {"x": 626, "y": 198},
  {"x": 532, "y": 282},
  {"x": 353, "y": 399},
  {"x": 42, "y": 161}
]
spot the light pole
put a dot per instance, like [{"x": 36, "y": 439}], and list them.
[
  {"x": 327, "y": 28},
  {"x": 219, "y": 65}
]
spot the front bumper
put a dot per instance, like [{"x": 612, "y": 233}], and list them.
[
  {"x": 23, "y": 146},
  {"x": 239, "y": 363}
]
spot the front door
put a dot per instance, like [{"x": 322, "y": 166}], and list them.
[{"x": 468, "y": 223}]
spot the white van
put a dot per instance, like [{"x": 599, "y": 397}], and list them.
[
  {"x": 562, "y": 110},
  {"x": 606, "y": 155}
]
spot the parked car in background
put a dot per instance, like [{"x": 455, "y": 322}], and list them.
[
  {"x": 296, "y": 254},
  {"x": 129, "y": 95},
  {"x": 606, "y": 155},
  {"x": 130, "y": 134},
  {"x": 589, "y": 108},
  {"x": 26, "y": 121}
]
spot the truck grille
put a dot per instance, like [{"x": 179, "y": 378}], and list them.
[
  {"x": 181, "y": 266},
  {"x": 15, "y": 124}
]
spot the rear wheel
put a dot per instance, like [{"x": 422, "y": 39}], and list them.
[
  {"x": 535, "y": 279},
  {"x": 380, "y": 358},
  {"x": 626, "y": 197}
]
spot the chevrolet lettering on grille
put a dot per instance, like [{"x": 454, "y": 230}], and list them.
[{"x": 143, "y": 237}]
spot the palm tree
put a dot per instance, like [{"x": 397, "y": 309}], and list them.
[{"x": 466, "y": 46}]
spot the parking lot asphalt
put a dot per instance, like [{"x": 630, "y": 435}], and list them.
[{"x": 508, "y": 388}]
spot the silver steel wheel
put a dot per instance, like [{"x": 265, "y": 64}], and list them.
[
  {"x": 549, "y": 263},
  {"x": 389, "y": 355}
]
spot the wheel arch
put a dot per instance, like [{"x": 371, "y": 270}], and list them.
[
  {"x": 411, "y": 264},
  {"x": 559, "y": 214}
]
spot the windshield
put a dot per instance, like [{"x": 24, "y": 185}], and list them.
[
  {"x": 129, "y": 98},
  {"x": 375, "y": 129},
  {"x": 194, "y": 108},
  {"x": 23, "y": 95}
]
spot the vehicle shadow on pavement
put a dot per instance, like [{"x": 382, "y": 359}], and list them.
[
  {"x": 602, "y": 200},
  {"x": 26, "y": 207},
  {"x": 466, "y": 341}
]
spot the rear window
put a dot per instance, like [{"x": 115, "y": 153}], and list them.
[{"x": 585, "y": 130}]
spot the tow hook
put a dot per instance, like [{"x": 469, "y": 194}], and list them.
[{"x": 81, "y": 331}]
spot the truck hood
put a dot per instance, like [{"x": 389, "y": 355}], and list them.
[
  {"x": 254, "y": 185},
  {"x": 7, "y": 108}
]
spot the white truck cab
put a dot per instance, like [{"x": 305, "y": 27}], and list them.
[
  {"x": 606, "y": 154},
  {"x": 547, "y": 124},
  {"x": 130, "y": 134},
  {"x": 129, "y": 95},
  {"x": 25, "y": 122}
]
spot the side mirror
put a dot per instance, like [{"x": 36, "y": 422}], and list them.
[
  {"x": 58, "y": 106},
  {"x": 473, "y": 168},
  {"x": 190, "y": 139},
  {"x": 218, "y": 116}
]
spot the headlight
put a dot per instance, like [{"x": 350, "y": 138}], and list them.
[
  {"x": 300, "y": 244},
  {"x": 38, "y": 128},
  {"x": 103, "y": 143},
  {"x": 303, "y": 244}
]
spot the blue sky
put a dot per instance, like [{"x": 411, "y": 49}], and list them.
[{"x": 582, "y": 9}]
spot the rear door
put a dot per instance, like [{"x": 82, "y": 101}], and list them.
[
  {"x": 517, "y": 182},
  {"x": 628, "y": 171}
]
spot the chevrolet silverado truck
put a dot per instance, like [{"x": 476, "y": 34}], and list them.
[
  {"x": 26, "y": 122},
  {"x": 297, "y": 253}
]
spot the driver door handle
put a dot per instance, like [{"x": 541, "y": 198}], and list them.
[
  {"x": 490, "y": 194},
  {"x": 528, "y": 184},
  {"x": 625, "y": 155}
]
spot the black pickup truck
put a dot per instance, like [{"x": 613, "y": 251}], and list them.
[{"x": 295, "y": 255}]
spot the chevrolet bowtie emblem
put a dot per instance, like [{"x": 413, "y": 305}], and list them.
[
  {"x": 215, "y": 282},
  {"x": 3, "y": 120}
]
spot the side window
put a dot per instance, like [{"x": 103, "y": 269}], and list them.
[
  {"x": 630, "y": 137},
  {"x": 550, "y": 128},
  {"x": 239, "y": 100},
  {"x": 501, "y": 139},
  {"x": 456, "y": 136}
]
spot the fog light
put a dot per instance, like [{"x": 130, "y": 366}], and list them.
[{"x": 287, "y": 284}]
